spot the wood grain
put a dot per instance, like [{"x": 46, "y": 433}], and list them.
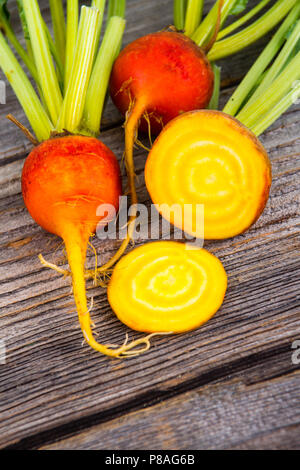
[
  {"x": 218, "y": 417},
  {"x": 51, "y": 383}
]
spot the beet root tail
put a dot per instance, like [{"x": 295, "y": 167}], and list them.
[
  {"x": 76, "y": 247},
  {"x": 131, "y": 128}
]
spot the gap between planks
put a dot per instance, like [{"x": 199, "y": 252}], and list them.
[{"x": 253, "y": 371}]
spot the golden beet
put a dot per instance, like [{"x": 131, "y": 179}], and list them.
[
  {"x": 167, "y": 287},
  {"x": 209, "y": 158},
  {"x": 64, "y": 181}
]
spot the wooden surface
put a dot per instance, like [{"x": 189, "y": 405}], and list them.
[
  {"x": 231, "y": 384},
  {"x": 226, "y": 416}
]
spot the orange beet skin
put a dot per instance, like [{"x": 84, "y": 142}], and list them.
[
  {"x": 64, "y": 180},
  {"x": 165, "y": 70}
]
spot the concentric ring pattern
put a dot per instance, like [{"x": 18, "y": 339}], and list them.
[
  {"x": 208, "y": 158},
  {"x": 167, "y": 287}
]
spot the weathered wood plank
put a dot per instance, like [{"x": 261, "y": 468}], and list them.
[
  {"x": 225, "y": 416},
  {"x": 51, "y": 380},
  {"x": 253, "y": 370}
]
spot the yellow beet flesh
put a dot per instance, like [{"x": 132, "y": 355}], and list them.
[
  {"x": 167, "y": 287},
  {"x": 209, "y": 158}
]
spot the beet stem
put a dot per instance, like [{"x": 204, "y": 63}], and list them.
[
  {"x": 59, "y": 27},
  {"x": 48, "y": 80},
  {"x": 276, "y": 92},
  {"x": 100, "y": 5},
  {"x": 279, "y": 64},
  {"x": 213, "y": 39},
  {"x": 264, "y": 60},
  {"x": 252, "y": 33},
  {"x": 5, "y": 27},
  {"x": 207, "y": 27},
  {"x": 179, "y": 14},
  {"x": 96, "y": 94},
  {"x": 193, "y": 17},
  {"x": 36, "y": 114},
  {"x": 269, "y": 118},
  {"x": 71, "y": 38},
  {"x": 244, "y": 19},
  {"x": 74, "y": 101}
]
